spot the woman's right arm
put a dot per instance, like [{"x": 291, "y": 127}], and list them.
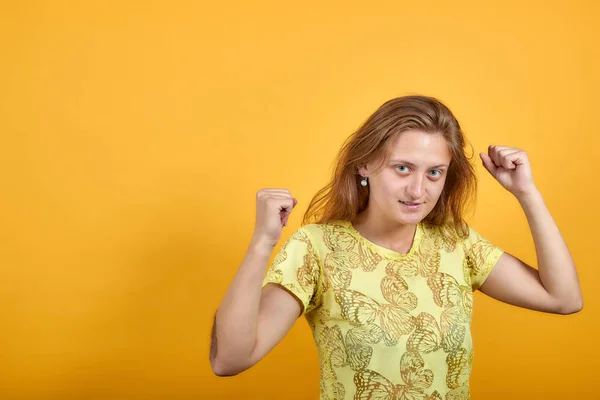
[{"x": 249, "y": 321}]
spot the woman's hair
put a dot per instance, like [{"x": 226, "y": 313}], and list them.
[{"x": 343, "y": 198}]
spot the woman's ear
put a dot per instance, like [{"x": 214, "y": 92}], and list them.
[{"x": 363, "y": 171}]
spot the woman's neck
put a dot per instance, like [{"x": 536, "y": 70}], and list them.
[{"x": 385, "y": 233}]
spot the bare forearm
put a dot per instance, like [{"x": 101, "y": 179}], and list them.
[
  {"x": 555, "y": 263},
  {"x": 236, "y": 320}
]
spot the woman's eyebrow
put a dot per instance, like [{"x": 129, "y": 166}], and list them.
[{"x": 413, "y": 165}]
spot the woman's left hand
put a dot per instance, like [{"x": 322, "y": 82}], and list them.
[{"x": 511, "y": 168}]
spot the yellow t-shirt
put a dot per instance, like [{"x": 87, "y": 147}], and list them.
[{"x": 387, "y": 325}]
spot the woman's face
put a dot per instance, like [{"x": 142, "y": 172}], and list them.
[{"x": 409, "y": 185}]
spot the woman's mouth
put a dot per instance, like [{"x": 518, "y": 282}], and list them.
[{"x": 411, "y": 205}]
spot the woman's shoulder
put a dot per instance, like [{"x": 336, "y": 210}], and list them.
[
  {"x": 317, "y": 230},
  {"x": 450, "y": 235}
]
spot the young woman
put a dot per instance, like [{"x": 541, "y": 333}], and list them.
[{"x": 385, "y": 273}]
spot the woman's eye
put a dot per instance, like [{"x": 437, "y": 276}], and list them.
[
  {"x": 436, "y": 173},
  {"x": 402, "y": 168}
]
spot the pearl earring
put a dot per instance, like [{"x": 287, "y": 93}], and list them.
[{"x": 364, "y": 181}]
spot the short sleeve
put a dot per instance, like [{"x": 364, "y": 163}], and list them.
[
  {"x": 481, "y": 257},
  {"x": 297, "y": 269}
]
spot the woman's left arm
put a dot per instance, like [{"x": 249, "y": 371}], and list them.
[{"x": 554, "y": 286}]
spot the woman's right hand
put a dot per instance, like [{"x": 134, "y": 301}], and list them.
[{"x": 273, "y": 207}]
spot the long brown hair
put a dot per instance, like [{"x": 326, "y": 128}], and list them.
[{"x": 344, "y": 198}]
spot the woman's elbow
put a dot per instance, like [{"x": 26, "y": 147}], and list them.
[
  {"x": 221, "y": 371},
  {"x": 571, "y": 307},
  {"x": 220, "y": 368}
]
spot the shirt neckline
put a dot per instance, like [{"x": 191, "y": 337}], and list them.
[{"x": 384, "y": 251}]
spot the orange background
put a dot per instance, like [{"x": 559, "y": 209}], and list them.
[{"x": 136, "y": 134}]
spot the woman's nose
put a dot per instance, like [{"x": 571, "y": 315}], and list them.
[{"x": 415, "y": 189}]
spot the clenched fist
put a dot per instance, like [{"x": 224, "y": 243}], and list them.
[
  {"x": 273, "y": 207},
  {"x": 510, "y": 167}
]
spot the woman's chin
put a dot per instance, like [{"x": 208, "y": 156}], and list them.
[{"x": 412, "y": 219}]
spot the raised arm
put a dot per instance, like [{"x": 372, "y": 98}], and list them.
[
  {"x": 249, "y": 321},
  {"x": 554, "y": 286}
]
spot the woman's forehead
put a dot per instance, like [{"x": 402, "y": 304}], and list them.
[{"x": 419, "y": 148}]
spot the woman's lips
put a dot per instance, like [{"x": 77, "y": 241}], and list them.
[{"x": 410, "y": 205}]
